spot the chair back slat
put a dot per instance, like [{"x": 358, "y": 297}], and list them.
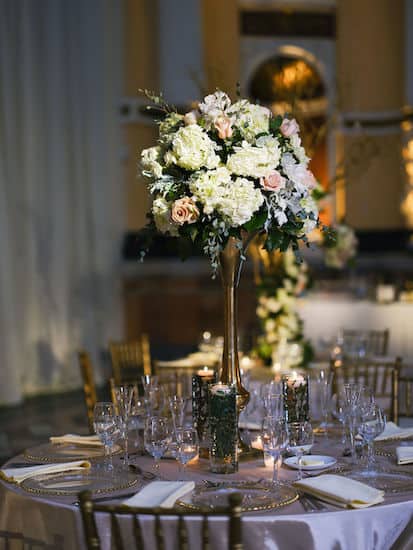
[
  {"x": 116, "y": 532},
  {"x": 235, "y": 526},
  {"x": 137, "y": 533},
  {"x": 89, "y": 387},
  {"x": 205, "y": 533},
  {"x": 158, "y": 533},
  {"x": 182, "y": 534}
]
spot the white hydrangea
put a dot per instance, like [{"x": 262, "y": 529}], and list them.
[
  {"x": 161, "y": 210},
  {"x": 150, "y": 161},
  {"x": 236, "y": 201},
  {"x": 192, "y": 149},
  {"x": 255, "y": 162},
  {"x": 240, "y": 202},
  {"x": 209, "y": 188},
  {"x": 250, "y": 119}
]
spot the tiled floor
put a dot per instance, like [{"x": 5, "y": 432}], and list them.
[{"x": 31, "y": 423}]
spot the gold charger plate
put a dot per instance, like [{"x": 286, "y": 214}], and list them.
[
  {"x": 388, "y": 479},
  {"x": 71, "y": 483},
  {"x": 256, "y": 496},
  {"x": 62, "y": 452}
]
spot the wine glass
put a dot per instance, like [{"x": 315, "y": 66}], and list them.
[
  {"x": 372, "y": 424},
  {"x": 275, "y": 440},
  {"x": 187, "y": 447},
  {"x": 105, "y": 426},
  {"x": 301, "y": 440},
  {"x": 272, "y": 399},
  {"x": 124, "y": 396},
  {"x": 157, "y": 437}
]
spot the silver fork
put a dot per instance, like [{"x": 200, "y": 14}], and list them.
[{"x": 311, "y": 504}]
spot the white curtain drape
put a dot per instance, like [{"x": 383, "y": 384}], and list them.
[{"x": 60, "y": 189}]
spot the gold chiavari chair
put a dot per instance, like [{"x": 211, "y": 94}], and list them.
[
  {"x": 89, "y": 508},
  {"x": 381, "y": 375},
  {"x": 130, "y": 359},
  {"x": 89, "y": 388},
  {"x": 373, "y": 342}
]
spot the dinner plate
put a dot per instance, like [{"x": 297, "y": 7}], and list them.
[
  {"x": 327, "y": 462},
  {"x": 71, "y": 483},
  {"x": 255, "y": 495}
]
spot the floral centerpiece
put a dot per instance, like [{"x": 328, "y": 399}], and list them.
[
  {"x": 219, "y": 175},
  {"x": 228, "y": 168}
]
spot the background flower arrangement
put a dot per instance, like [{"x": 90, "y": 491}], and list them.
[
  {"x": 282, "y": 340},
  {"x": 340, "y": 246},
  {"x": 224, "y": 169}
]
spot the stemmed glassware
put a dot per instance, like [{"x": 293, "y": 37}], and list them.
[
  {"x": 157, "y": 437},
  {"x": 187, "y": 447},
  {"x": 275, "y": 440},
  {"x": 148, "y": 381},
  {"x": 105, "y": 425},
  {"x": 372, "y": 424},
  {"x": 124, "y": 397},
  {"x": 272, "y": 399},
  {"x": 351, "y": 403},
  {"x": 177, "y": 406},
  {"x": 301, "y": 440}
]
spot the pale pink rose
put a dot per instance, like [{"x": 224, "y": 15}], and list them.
[
  {"x": 273, "y": 182},
  {"x": 309, "y": 180},
  {"x": 289, "y": 127},
  {"x": 191, "y": 118},
  {"x": 223, "y": 125},
  {"x": 184, "y": 211}
]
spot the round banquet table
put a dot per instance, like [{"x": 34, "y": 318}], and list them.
[{"x": 57, "y": 521}]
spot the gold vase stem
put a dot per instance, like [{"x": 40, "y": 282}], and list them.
[{"x": 231, "y": 262}]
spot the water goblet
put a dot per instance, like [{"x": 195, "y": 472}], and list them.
[
  {"x": 301, "y": 439},
  {"x": 372, "y": 424},
  {"x": 105, "y": 426},
  {"x": 187, "y": 447},
  {"x": 157, "y": 437},
  {"x": 275, "y": 440}
]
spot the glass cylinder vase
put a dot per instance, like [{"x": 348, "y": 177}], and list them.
[
  {"x": 296, "y": 398},
  {"x": 223, "y": 428}
]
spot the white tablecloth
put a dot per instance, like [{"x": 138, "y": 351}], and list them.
[{"x": 289, "y": 528}]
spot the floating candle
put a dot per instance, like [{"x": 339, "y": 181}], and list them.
[{"x": 206, "y": 372}]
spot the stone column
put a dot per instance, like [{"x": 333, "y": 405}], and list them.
[{"x": 370, "y": 63}]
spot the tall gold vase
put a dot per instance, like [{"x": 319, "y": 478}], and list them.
[{"x": 231, "y": 262}]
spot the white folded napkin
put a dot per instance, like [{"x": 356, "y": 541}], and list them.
[
  {"x": 160, "y": 493},
  {"x": 17, "y": 475},
  {"x": 74, "y": 439},
  {"x": 341, "y": 491},
  {"x": 392, "y": 431},
  {"x": 404, "y": 454}
]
